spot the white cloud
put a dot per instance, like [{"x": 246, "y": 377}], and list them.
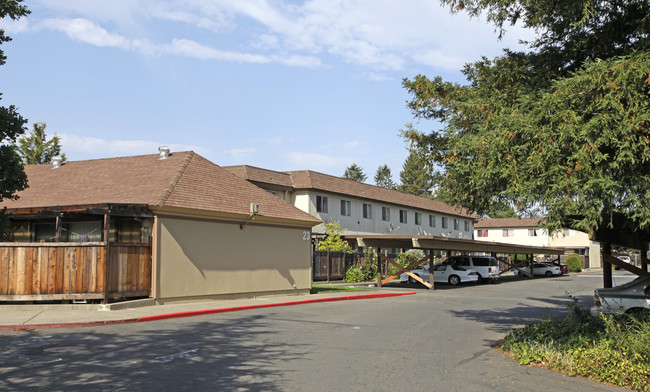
[
  {"x": 378, "y": 35},
  {"x": 90, "y": 146},
  {"x": 83, "y": 30},
  {"x": 11, "y": 26}
]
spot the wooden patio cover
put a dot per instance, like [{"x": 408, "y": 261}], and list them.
[
  {"x": 431, "y": 243},
  {"x": 447, "y": 243}
]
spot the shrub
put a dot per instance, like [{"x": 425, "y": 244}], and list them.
[
  {"x": 363, "y": 268},
  {"x": 574, "y": 262},
  {"x": 354, "y": 275},
  {"x": 608, "y": 349}
]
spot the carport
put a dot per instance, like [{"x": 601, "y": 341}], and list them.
[{"x": 429, "y": 244}]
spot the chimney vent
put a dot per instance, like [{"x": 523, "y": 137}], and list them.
[
  {"x": 164, "y": 152},
  {"x": 56, "y": 162}
]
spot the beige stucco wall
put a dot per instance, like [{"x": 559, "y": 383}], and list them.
[{"x": 202, "y": 258}]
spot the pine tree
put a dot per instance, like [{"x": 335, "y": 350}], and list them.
[
  {"x": 384, "y": 177},
  {"x": 415, "y": 177},
  {"x": 355, "y": 173},
  {"x": 35, "y": 148}
]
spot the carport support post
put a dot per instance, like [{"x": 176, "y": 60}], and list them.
[
  {"x": 644, "y": 257},
  {"x": 530, "y": 263},
  {"x": 607, "y": 267},
  {"x": 378, "y": 268},
  {"x": 431, "y": 268}
]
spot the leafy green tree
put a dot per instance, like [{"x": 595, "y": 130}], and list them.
[
  {"x": 415, "y": 176},
  {"x": 384, "y": 177},
  {"x": 12, "y": 125},
  {"x": 501, "y": 210},
  {"x": 355, "y": 173},
  {"x": 564, "y": 127},
  {"x": 35, "y": 148},
  {"x": 333, "y": 241}
]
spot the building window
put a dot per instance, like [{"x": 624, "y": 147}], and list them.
[
  {"x": 482, "y": 233},
  {"x": 418, "y": 218},
  {"x": 568, "y": 232},
  {"x": 385, "y": 213},
  {"x": 456, "y": 224},
  {"x": 345, "y": 207},
  {"x": 508, "y": 232},
  {"x": 432, "y": 220},
  {"x": 445, "y": 222},
  {"x": 367, "y": 211},
  {"x": 321, "y": 204},
  {"x": 466, "y": 225},
  {"x": 532, "y": 232},
  {"x": 402, "y": 216}
]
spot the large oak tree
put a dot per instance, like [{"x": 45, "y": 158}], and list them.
[{"x": 563, "y": 128}]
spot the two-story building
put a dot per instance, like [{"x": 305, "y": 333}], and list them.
[
  {"x": 527, "y": 231},
  {"x": 360, "y": 208}
]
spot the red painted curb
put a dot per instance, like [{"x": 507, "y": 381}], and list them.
[
  {"x": 236, "y": 308},
  {"x": 200, "y": 312}
]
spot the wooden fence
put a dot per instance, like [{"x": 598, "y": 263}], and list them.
[{"x": 64, "y": 271}]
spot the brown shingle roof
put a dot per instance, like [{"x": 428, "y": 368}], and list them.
[
  {"x": 256, "y": 174},
  {"x": 507, "y": 223},
  {"x": 184, "y": 180},
  {"x": 308, "y": 179}
]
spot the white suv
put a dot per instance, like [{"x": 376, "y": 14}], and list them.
[{"x": 487, "y": 267}]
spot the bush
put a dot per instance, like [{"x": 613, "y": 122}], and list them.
[
  {"x": 574, "y": 262},
  {"x": 610, "y": 349},
  {"x": 354, "y": 275},
  {"x": 364, "y": 268}
]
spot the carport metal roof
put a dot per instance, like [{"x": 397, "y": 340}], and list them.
[{"x": 447, "y": 243}]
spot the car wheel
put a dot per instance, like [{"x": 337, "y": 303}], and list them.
[
  {"x": 454, "y": 280},
  {"x": 480, "y": 278},
  {"x": 548, "y": 273},
  {"x": 412, "y": 280}
]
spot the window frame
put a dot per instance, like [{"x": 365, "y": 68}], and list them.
[
  {"x": 346, "y": 208},
  {"x": 385, "y": 214},
  {"x": 321, "y": 204},
  {"x": 367, "y": 211},
  {"x": 403, "y": 216}
]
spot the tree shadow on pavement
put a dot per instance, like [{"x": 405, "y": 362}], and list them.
[
  {"x": 503, "y": 320},
  {"x": 220, "y": 355}
]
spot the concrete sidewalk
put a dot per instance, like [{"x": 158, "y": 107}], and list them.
[{"x": 78, "y": 315}]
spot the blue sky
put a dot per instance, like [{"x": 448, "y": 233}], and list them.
[{"x": 283, "y": 85}]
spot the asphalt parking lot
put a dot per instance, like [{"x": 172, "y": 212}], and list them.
[{"x": 433, "y": 340}]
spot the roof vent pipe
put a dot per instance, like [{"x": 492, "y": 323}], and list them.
[
  {"x": 164, "y": 152},
  {"x": 56, "y": 162}
]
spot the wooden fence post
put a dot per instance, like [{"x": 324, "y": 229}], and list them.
[{"x": 107, "y": 258}]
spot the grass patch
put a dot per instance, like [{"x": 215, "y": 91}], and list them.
[
  {"x": 321, "y": 289},
  {"x": 608, "y": 349}
]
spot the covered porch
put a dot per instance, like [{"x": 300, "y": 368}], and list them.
[{"x": 96, "y": 253}]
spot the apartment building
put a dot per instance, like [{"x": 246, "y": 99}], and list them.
[
  {"x": 360, "y": 208},
  {"x": 527, "y": 231}
]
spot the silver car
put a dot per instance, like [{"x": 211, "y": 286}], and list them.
[
  {"x": 631, "y": 297},
  {"x": 443, "y": 273}
]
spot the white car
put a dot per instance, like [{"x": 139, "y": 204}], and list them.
[
  {"x": 631, "y": 297},
  {"x": 624, "y": 259},
  {"x": 443, "y": 273},
  {"x": 540, "y": 269}
]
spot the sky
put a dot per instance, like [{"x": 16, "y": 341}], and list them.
[{"x": 282, "y": 85}]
